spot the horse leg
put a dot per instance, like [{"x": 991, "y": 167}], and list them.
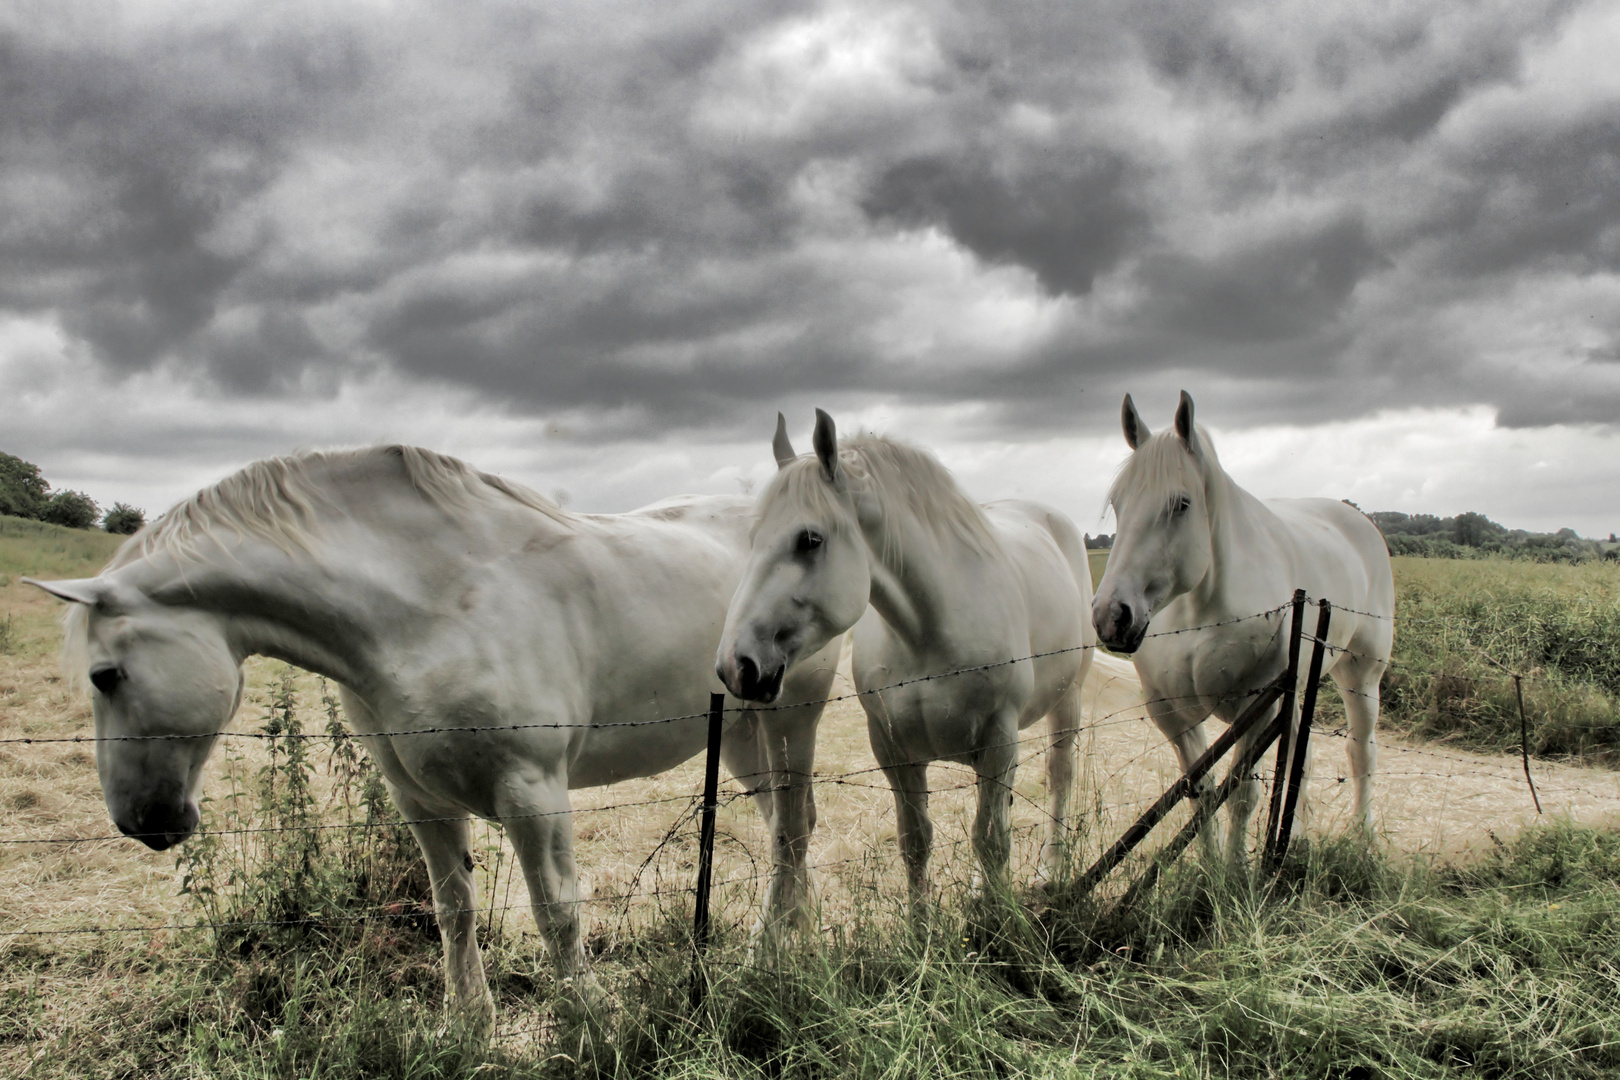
[
  {"x": 1358, "y": 686},
  {"x": 1245, "y": 796},
  {"x": 996, "y": 764},
  {"x": 540, "y": 822},
  {"x": 915, "y": 831},
  {"x": 1062, "y": 726},
  {"x": 743, "y": 752},
  {"x": 1189, "y": 745},
  {"x": 444, "y": 843},
  {"x": 788, "y": 740}
]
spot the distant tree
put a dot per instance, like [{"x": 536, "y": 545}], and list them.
[
  {"x": 124, "y": 519},
  {"x": 74, "y": 509},
  {"x": 22, "y": 488},
  {"x": 1475, "y": 530},
  {"x": 1100, "y": 542}
]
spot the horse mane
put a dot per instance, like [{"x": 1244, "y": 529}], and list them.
[
  {"x": 277, "y": 499},
  {"x": 903, "y": 478},
  {"x": 1162, "y": 466}
]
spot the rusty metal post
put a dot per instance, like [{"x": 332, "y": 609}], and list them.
[
  {"x": 711, "y": 800},
  {"x": 1286, "y": 711},
  {"x": 1307, "y": 712}
]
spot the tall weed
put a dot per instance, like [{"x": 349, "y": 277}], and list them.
[{"x": 300, "y": 852}]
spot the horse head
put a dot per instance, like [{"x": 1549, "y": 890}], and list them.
[
  {"x": 165, "y": 681},
  {"x": 1163, "y": 544},
  {"x": 808, "y": 576}
]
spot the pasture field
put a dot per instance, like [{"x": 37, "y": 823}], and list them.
[
  {"x": 1472, "y": 941},
  {"x": 1459, "y": 622}
]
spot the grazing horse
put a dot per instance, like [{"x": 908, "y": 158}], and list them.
[
  {"x": 876, "y": 535},
  {"x": 498, "y": 651},
  {"x": 1201, "y": 559}
]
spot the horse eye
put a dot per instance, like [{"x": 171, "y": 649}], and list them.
[
  {"x": 106, "y": 679},
  {"x": 1179, "y": 504},
  {"x": 808, "y": 540}
]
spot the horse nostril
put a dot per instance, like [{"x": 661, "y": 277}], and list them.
[
  {"x": 773, "y": 684},
  {"x": 160, "y": 827},
  {"x": 747, "y": 676}
]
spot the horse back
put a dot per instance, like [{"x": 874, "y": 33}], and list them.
[{"x": 1050, "y": 554}]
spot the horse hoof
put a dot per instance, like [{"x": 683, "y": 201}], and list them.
[
  {"x": 472, "y": 1020},
  {"x": 581, "y": 991}
]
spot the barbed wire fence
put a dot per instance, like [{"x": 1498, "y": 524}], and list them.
[{"x": 691, "y": 809}]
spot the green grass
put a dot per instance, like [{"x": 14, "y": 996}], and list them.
[
  {"x": 36, "y": 549},
  {"x": 1557, "y": 625},
  {"x": 1348, "y": 965}
]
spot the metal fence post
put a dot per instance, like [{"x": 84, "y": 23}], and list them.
[
  {"x": 1284, "y": 741},
  {"x": 1307, "y": 712},
  {"x": 711, "y": 799}
]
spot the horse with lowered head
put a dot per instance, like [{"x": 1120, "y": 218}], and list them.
[
  {"x": 1212, "y": 569},
  {"x": 497, "y": 650}
]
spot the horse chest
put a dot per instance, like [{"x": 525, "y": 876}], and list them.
[{"x": 1209, "y": 665}]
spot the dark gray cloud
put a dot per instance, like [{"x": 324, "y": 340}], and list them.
[
  {"x": 683, "y": 210},
  {"x": 1068, "y": 217}
]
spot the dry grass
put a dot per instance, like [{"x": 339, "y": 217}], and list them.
[{"x": 1430, "y": 800}]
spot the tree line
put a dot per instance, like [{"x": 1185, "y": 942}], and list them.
[
  {"x": 25, "y": 493},
  {"x": 1472, "y": 535},
  {"x": 1466, "y": 536}
]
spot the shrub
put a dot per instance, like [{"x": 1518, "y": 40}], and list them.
[
  {"x": 124, "y": 519},
  {"x": 74, "y": 509}
]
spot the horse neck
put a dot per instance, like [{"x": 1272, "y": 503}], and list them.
[
  {"x": 917, "y": 571},
  {"x": 312, "y": 608},
  {"x": 1239, "y": 542}
]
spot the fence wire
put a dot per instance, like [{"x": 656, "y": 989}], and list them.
[{"x": 1036, "y": 744}]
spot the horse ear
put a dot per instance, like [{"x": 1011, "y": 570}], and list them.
[
  {"x": 780, "y": 446},
  {"x": 825, "y": 440},
  {"x": 1184, "y": 423},
  {"x": 1136, "y": 432},
  {"x": 90, "y": 591}
]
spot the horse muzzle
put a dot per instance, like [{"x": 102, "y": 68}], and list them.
[
  {"x": 160, "y": 826},
  {"x": 746, "y": 679},
  {"x": 1119, "y": 626}
]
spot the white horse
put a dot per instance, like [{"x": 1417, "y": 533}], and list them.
[
  {"x": 950, "y": 585},
  {"x": 511, "y": 651},
  {"x": 1192, "y": 550}
]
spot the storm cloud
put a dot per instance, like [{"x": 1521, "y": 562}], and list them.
[{"x": 686, "y": 213}]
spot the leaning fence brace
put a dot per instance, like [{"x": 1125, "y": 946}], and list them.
[{"x": 1280, "y": 823}]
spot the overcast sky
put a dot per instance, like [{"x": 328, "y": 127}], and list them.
[{"x": 595, "y": 247}]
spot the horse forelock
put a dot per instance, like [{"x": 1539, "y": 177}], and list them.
[
  {"x": 905, "y": 480},
  {"x": 279, "y": 499},
  {"x": 1162, "y": 466}
]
